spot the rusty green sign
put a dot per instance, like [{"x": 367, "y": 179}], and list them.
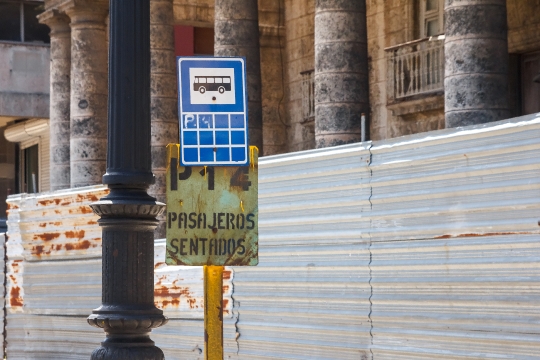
[{"x": 212, "y": 213}]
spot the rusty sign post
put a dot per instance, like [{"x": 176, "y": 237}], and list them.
[{"x": 212, "y": 182}]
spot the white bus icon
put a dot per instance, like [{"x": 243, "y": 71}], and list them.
[
  {"x": 220, "y": 84},
  {"x": 214, "y": 86}
]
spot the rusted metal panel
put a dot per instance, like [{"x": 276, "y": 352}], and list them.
[
  {"x": 179, "y": 289},
  {"x": 59, "y": 224},
  {"x": 73, "y": 287},
  {"x": 14, "y": 266},
  {"x": 212, "y": 213},
  {"x": 3, "y": 264}
]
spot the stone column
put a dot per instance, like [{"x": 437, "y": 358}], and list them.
[
  {"x": 237, "y": 34},
  {"x": 476, "y": 62},
  {"x": 59, "y": 98},
  {"x": 88, "y": 91},
  {"x": 341, "y": 71},
  {"x": 163, "y": 97}
]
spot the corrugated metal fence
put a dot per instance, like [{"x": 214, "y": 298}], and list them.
[{"x": 421, "y": 247}]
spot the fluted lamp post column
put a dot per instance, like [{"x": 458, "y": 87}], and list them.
[{"x": 128, "y": 214}]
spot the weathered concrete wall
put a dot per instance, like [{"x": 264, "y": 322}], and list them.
[
  {"x": 24, "y": 80},
  {"x": 341, "y": 71},
  {"x": 88, "y": 92},
  {"x": 194, "y": 12},
  {"x": 476, "y": 66},
  {"x": 237, "y": 34},
  {"x": 60, "y": 98},
  {"x": 300, "y": 57},
  {"x": 523, "y": 24},
  {"x": 163, "y": 97}
]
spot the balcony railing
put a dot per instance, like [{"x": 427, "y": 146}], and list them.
[{"x": 416, "y": 68}]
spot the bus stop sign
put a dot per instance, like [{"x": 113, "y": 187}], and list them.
[{"x": 213, "y": 111}]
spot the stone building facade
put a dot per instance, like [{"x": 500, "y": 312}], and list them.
[
  {"x": 24, "y": 101},
  {"x": 320, "y": 67}
]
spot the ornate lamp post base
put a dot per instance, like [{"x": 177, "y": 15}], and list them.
[{"x": 128, "y": 219}]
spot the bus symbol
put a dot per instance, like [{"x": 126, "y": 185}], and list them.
[{"x": 220, "y": 84}]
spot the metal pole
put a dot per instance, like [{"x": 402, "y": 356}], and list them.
[
  {"x": 128, "y": 214},
  {"x": 213, "y": 312}
]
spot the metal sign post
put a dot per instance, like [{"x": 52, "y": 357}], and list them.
[{"x": 212, "y": 182}]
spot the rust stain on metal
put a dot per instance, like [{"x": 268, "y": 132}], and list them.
[
  {"x": 15, "y": 299},
  {"x": 84, "y": 209},
  {"x": 158, "y": 265},
  {"x": 12, "y": 206},
  {"x": 88, "y": 197},
  {"x": 83, "y": 245},
  {"x": 39, "y": 250},
  {"x": 171, "y": 295},
  {"x": 227, "y": 274},
  {"x": 483, "y": 235},
  {"x": 46, "y": 236},
  {"x": 225, "y": 303},
  {"x": 49, "y": 202},
  {"x": 75, "y": 234},
  {"x": 50, "y": 223},
  {"x": 15, "y": 266}
]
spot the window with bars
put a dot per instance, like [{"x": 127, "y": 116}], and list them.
[
  {"x": 308, "y": 95},
  {"x": 431, "y": 18},
  {"x": 18, "y": 22}
]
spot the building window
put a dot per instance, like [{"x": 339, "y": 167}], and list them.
[
  {"x": 308, "y": 95},
  {"x": 18, "y": 22},
  {"x": 431, "y": 18},
  {"x": 30, "y": 169}
]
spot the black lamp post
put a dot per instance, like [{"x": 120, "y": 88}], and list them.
[{"x": 128, "y": 214}]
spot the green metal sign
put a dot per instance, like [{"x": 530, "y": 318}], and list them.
[{"x": 212, "y": 213}]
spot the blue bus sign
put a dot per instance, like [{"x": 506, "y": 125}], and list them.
[{"x": 213, "y": 111}]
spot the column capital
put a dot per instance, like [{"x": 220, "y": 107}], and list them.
[
  {"x": 84, "y": 11},
  {"x": 55, "y": 20}
]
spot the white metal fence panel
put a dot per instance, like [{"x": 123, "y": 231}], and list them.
[
  {"x": 456, "y": 250},
  {"x": 309, "y": 296},
  {"x": 422, "y": 247},
  {"x": 54, "y": 282}
]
